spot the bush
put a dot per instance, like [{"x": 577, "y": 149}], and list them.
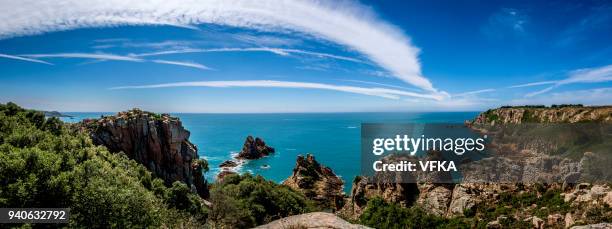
[
  {"x": 380, "y": 214},
  {"x": 246, "y": 201},
  {"x": 45, "y": 164}
]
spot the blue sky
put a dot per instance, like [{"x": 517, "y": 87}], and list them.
[{"x": 304, "y": 56}]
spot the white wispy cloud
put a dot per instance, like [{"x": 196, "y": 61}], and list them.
[
  {"x": 345, "y": 23},
  {"x": 106, "y": 57},
  {"x": 23, "y": 59},
  {"x": 534, "y": 84},
  {"x": 278, "y": 51},
  {"x": 587, "y": 75},
  {"x": 475, "y": 92},
  {"x": 182, "y": 63},
  {"x": 97, "y": 56},
  {"x": 596, "y": 96},
  {"x": 378, "y": 84},
  {"x": 380, "y": 92}
]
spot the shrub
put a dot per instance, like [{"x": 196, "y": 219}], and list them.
[
  {"x": 246, "y": 201},
  {"x": 44, "y": 164}
]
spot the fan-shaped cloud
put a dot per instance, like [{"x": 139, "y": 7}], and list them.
[{"x": 348, "y": 24}]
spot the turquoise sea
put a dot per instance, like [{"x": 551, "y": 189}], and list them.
[{"x": 334, "y": 138}]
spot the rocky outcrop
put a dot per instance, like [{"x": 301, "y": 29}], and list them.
[
  {"x": 228, "y": 164},
  {"x": 571, "y": 114},
  {"x": 254, "y": 148},
  {"x": 318, "y": 220},
  {"x": 365, "y": 189},
  {"x": 316, "y": 182},
  {"x": 159, "y": 142}
]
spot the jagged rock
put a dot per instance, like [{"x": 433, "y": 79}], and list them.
[
  {"x": 494, "y": 225},
  {"x": 317, "y": 182},
  {"x": 159, "y": 142},
  {"x": 254, "y": 148},
  {"x": 228, "y": 163},
  {"x": 555, "y": 219},
  {"x": 569, "y": 220},
  {"x": 318, "y": 220},
  {"x": 537, "y": 222},
  {"x": 435, "y": 198},
  {"x": 594, "y": 226}
]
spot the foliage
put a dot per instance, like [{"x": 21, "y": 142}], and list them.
[
  {"x": 380, "y": 214},
  {"x": 45, "y": 164},
  {"x": 245, "y": 201}
]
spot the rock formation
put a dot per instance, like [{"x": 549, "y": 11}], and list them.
[
  {"x": 254, "y": 148},
  {"x": 317, "y": 182},
  {"x": 570, "y": 114},
  {"x": 318, "y": 220},
  {"x": 228, "y": 164},
  {"x": 159, "y": 142}
]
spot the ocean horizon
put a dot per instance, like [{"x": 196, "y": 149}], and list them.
[{"x": 333, "y": 138}]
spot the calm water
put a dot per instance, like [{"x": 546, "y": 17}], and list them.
[{"x": 334, "y": 138}]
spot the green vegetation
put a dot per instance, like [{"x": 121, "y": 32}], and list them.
[
  {"x": 244, "y": 201},
  {"x": 380, "y": 214},
  {"x": 43, "y": 163},
  {"x": 525, "y": 106},
  {"x": 539, "y": 202}
]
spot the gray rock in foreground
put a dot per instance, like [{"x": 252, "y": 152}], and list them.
[{"x": 319, "y": 220}]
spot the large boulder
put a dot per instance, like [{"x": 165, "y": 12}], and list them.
[
  {"x": 254, "y": 148},
  {"x": 317, "y": 182},
  {"x": 159, "y": 142},
  {"x": 318, "y": 220}
]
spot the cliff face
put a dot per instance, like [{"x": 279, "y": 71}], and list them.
[
  {"x": 317, "y": 182},
  {"x": 516, "y": 115},
  {"x": 159, "y": 142}
]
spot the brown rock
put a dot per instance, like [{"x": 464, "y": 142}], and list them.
[
  {"x": 537, "y": 222},
  {"x": 317, "y": 182},
  {"x": 228, "y": 163},
  {"x": 555, "y": 219},
  {"x": 159, "y": 142},
  {"x": 435, "y": 199},
  {"x": 254, "y": 148}
]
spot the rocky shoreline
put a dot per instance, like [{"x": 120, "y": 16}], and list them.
[{"x": 161, "y": 143}]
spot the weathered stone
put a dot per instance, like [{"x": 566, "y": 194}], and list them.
[
  {"x": 228, "y": 163},
  {"x": 254, "y": 148},
  {"x": 554, "y": 219},
  {"x": 317, "y": 182},
  {"x": 318, "y": 220},
  {"x": 537, "y": 222},
  {"x": 160, "y": 143}
]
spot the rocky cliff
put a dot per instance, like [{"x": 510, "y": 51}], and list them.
[
  {"x": 254, "y": 148},
  {"x": 568, "y": 114},
  {"x": 545, "y": 159},
  {"x": 159, "y": 142},
  {"x": 316, "y": 182}
]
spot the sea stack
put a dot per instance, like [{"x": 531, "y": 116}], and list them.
[
  {"x": 159, "y": 142},
  {"x": 254, "y": 148},
  {"x": 317, "y": 182}
]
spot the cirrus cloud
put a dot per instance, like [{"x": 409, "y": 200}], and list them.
[
  {"x": 345, "y": 23},
  {"x": 379, "y": 92}
]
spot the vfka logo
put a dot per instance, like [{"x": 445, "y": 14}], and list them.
[{"x": 438, "y": 166}]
